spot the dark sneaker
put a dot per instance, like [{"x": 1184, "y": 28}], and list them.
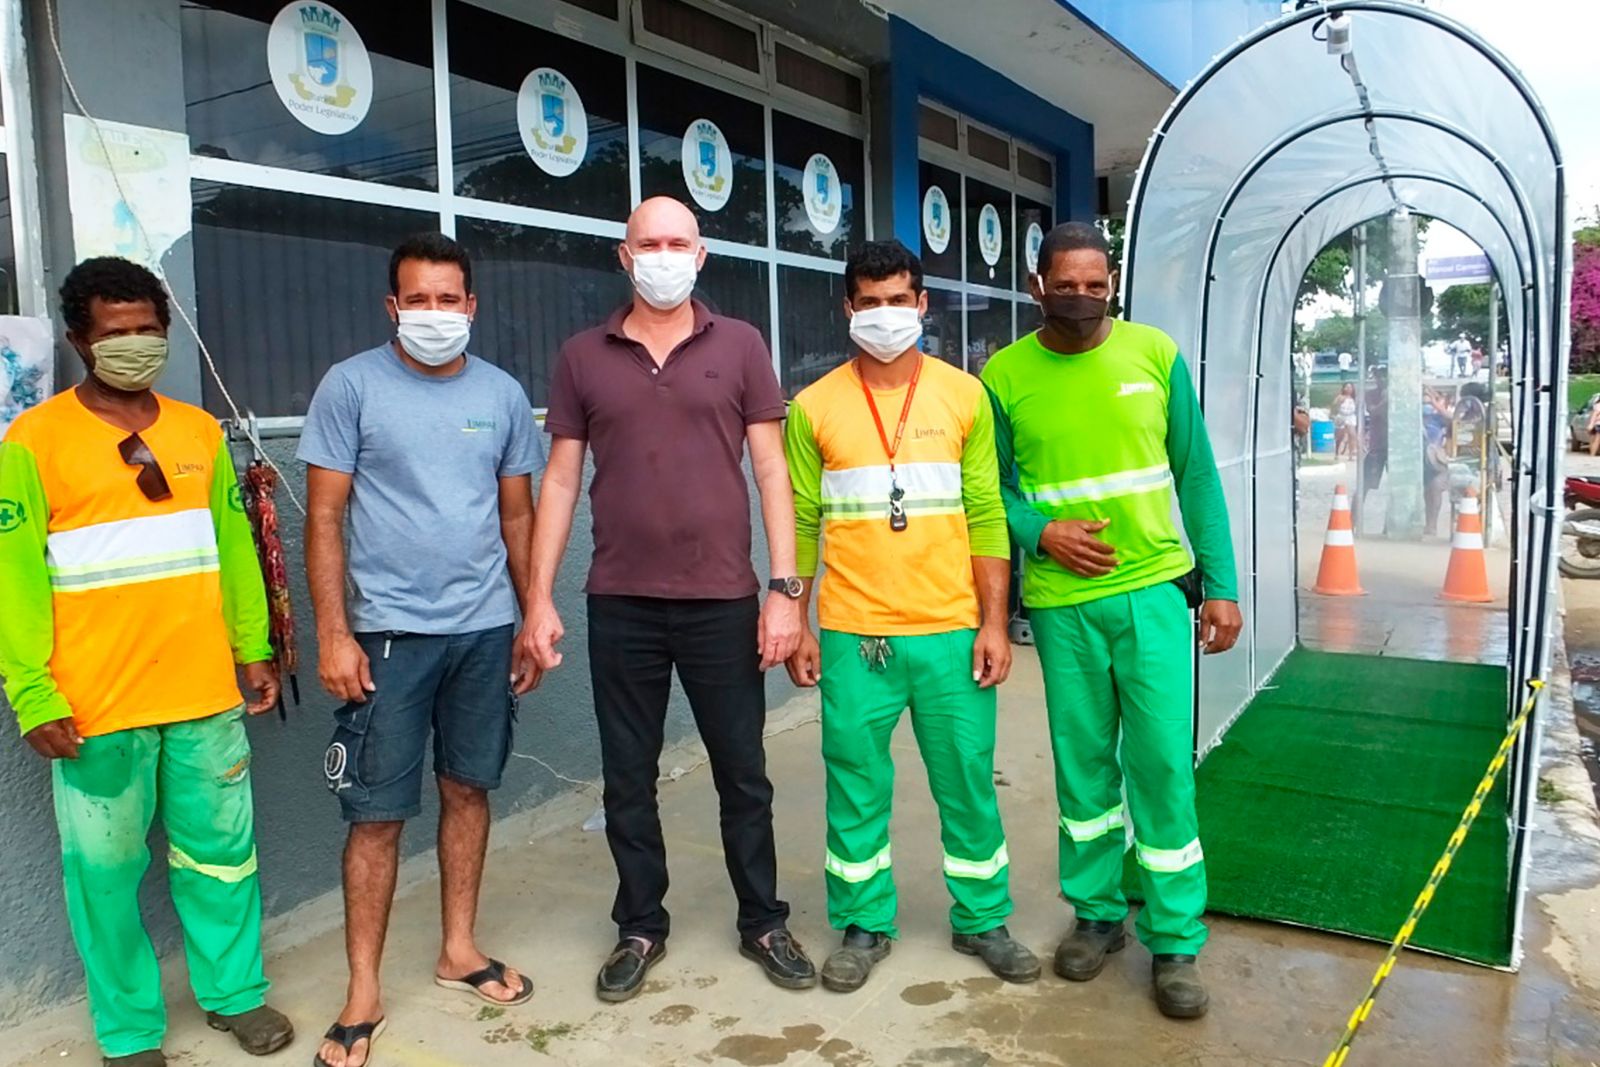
[
  {"x": 785, "y": 962},
  {"x": 148, "y": 1058},
  {"x": 622, "y": 975},
  {"x": 1082, "y": 953},
  {"x": 849, "y": 965},
  {"x": 259, "y": 1031},
  {"x": 1007, "y": 957},
  {"x": 1179, "y": 992}
]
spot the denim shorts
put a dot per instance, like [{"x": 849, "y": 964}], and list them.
[{"x": 455, "y": 687}]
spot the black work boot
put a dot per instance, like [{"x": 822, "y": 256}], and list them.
[
  {"x": 781, "y": 956},
  {"x": 1179, "y": 992},
  {"x": 259, "y": 1031},
  {"x": 622, "y": 975},
  {"x": 1007, "y": 957},
  {"x": 848, "y": 966},
  {"x": 1082, "y": 953}
]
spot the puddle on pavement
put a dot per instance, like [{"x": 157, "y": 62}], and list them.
[{"x": 1586, "y": 703}]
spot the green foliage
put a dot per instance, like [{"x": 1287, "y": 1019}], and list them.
[
  {"x": 1337, "y": 333},
  {"x": 1463, "y": 307},
  {"x": 1332, "y": 272},
  {"x": 1588, "y": 236}
]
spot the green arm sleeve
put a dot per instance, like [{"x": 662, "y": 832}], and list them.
[
  {"x": 27, "y": 622},
  {"x": 244, "y": 595},
  {"x": 1200, "y": 497},
  {"x": 980, "y": 486},
  {"x": 805, "y": 474},
  {"x": 1027, "y": 524}
]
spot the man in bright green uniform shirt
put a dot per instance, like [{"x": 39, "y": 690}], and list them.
[{"x": 1097, "y": 423}]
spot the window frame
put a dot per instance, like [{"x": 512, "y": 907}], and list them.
[
  {"x": 625, "y": 38},
  {"x": 21, "y": 167}
]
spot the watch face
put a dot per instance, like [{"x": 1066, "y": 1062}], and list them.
[{"x": 795, "y": 587}]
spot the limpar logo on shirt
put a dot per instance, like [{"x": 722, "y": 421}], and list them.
[
  {"x": 12, "y": 515},
  {"x": 1133, "y": 388},
  {"x": 478, "y": 426}
]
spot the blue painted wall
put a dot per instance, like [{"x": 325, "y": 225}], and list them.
[
  {"x": 1175, "y": 38},
  {"x": 923, "y": 66}
]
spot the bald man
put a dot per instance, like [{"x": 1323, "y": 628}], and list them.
[{"x": 669, "y": 393}]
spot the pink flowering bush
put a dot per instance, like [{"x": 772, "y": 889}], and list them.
[{"x": 1585, "y": 309}]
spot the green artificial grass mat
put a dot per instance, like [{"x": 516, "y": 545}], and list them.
[{"x": 1330, "y": 799}]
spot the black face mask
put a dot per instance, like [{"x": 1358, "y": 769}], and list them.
[{"x": 1074, "y": 316}]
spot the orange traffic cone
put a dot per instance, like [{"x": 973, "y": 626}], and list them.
[
  {"x": 1337, "y": 574},
  {"x": 1468, "y": 575}
]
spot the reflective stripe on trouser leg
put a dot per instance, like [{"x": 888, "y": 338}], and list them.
[
  {"x": 954, "y": 721},
  {"x": 207, "y": 809},
  {"x": 1075, "y": 654},
  {"x": 859, "y": 711},
  {"x": 104, "y": 802},
  {"x": 1154, "y": 671}
]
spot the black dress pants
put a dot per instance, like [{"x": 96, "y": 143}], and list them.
[{"x": 634, "y": 644}]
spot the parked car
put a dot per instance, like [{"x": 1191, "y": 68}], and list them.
[{"x": 1579, "y": 423}]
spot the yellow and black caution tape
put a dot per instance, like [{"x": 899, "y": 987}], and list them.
[{"x": 1337, "y": 1057}]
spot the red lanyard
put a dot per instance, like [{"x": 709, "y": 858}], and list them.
[{"x": 891, "y": 450}]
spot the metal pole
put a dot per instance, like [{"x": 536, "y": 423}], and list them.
[
  {"x": 1491, "y": 465},
  {"x": 1361, "y": 376},
  {"x": 1404, "y": 519}
]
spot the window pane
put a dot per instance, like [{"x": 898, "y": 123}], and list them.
[
  {"x": 996, "y": 151},
  {"x": 941, "y": 218},
  {"x": 289, "y": 284},
  {"x": 816, "y": 78},
  {"x": 731, "y": 205},
  {"x": 989, "y": 242},
  {"x": 828, "y": 198},
  {"x": 704, "y": 32},
  {"x": 988, "y": 329},
  {"x": 815, "y": 336},
  {"x": 372, "y": 101},
  {"x": 1030, "y": 214},
  {"x": 737, "y": 288},
  {"x": 607, "y": 8},
  {"x": 941, "y": 327},
  {"x": 8, "y": 254},
  {"x": 938, "y": 127},
  {"x": 582, "y": 167},
  {"x": 535, "y": 289},
  {"x": 1035, "y": 168}
]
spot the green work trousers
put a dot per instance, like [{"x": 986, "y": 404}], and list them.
[
  {"x": 954, "y": 724},
  {"x": 1120, "y": 669},
  {"x": 196, "y": 775}
]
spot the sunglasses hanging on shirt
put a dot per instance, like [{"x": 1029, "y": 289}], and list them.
[{"x": 152, "y": 483}]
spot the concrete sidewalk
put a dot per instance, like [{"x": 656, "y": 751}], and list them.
[{"x": 1280, "y": 995}]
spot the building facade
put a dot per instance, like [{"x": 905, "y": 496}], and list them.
[{"x": 266, "y": 155}]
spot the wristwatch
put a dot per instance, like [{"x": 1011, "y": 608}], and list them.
[{"x": 793, "y": 588}]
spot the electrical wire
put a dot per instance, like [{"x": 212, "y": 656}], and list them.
[{"x": 243, "y": 424}]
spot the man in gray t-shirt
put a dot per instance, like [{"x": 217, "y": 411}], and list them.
[{"x": 430, "y": 451}]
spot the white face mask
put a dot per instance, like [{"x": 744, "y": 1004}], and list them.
[
  {"x": 884, "y": 333},
  {"x": 665, "y": 279},
  {"x": 434, "y": 338}
]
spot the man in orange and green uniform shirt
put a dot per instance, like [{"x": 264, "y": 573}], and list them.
[
  {"x": 892, "y": 458},
  {"x": 132, "y": 591},
  {"x": 1097, "y": 426}
]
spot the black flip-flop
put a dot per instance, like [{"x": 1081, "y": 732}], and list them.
[
  {"x": 348, "y": 1036},
  {"x": 474, "y": 983}
]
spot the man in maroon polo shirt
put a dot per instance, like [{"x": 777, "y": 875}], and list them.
[{"x": 668, "y": 394}]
